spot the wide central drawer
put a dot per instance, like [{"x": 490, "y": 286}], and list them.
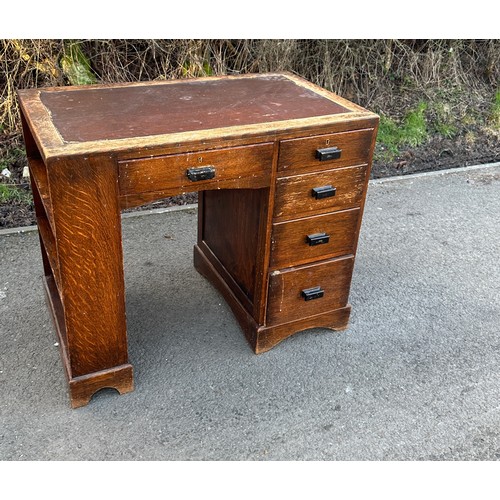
[
  {"x": 236, "y": 167},
  {"x": 314, "y": 238},
  {"x": 304, "y": 291}
]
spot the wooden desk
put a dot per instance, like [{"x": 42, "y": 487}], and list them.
[{"x": 281, "y": 167}]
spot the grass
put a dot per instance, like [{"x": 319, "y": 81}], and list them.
[
  {"x": 12, "y": 194},
  {"x": 411, "y": 132},
  {"x": 495, "y": 110},
  {"x": 443, "y": 120},
  {"x": 445, "y": 129}
]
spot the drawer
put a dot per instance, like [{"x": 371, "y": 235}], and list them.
[
  {"x": 288, "y": 290},
  {"x": 353, "y": 148},
  {"x": 314, "y": 238},
  {"x": 295, "y": 195},
  {"x": 230, "y": 168}
]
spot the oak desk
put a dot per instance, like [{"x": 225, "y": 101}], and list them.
[{"x": 281, "y": 167}]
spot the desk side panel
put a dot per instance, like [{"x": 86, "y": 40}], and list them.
[
  {"x": 230, "y": 228},
  {"x": 88, "y": 237}
]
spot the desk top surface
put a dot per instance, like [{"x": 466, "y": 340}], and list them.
[
  {"x": 118, "y": 113},
  {"x": 124, "y": 112}
]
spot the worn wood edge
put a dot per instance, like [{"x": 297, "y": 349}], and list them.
[
  {"x": 222, "y": 133},
  {"x": 83, "y": 388},
  {"x": 243, "y": 139},
  {"x": 298, "y": 218},
  {"x": 39, "y": 121},
  {"x": 244, "y": 318},
  {"x": 171, "y": 81},
  {"x": 332, "y": 96},
  {"x": 269, "y": 336}
]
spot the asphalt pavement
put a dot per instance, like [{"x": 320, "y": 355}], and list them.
[{"x": 415, "y": 377}]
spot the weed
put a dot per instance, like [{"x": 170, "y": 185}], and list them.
[
  {"x": 415, "y": 126},
  {"x": 411, "y": 132},
  {"x": 12, "y": 156},
  {"x": 76, "y": 66},
  {"x": 443, "y": 122},
  {"x": 388, "y": 138},
  {"x": 495, "y": 110},
  {"x": 470, "y": 137},
  {"x": 12, "y": 194},
  {"x": 445, "y": 129}
]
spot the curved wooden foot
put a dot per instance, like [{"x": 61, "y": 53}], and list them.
[
  {"x": 267, "y": 337},
  {"x": 83, "y": 388}
]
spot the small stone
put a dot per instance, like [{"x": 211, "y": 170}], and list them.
[
  {"x": 26, "y": 172},
  {"x": 56, "y": 344},
  {"x": 6, "y": 173}
]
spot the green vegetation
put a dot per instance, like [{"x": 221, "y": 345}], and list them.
[
  {"x": 76, "y": 66},
  {"x": 445, "y": 129},
  {"x": 444, "y": 120},
  {"x": 411, "y": 132},
  {"x": 12, "y": 194},
  {"x": 495, "y": 110},
  {"x": 414, "y": 131},
  {"x": 11, "y": 156}
]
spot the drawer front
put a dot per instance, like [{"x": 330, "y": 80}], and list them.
[
  {"x": 314, "y": 238},
  {"x": 326, "y": 285},
  {"x": 225, "y": 168},
  {"x": 353, "y": 148},
  {"x": 296, "y": 195}
]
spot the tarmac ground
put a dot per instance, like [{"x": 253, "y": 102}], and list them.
[{"x": 415, "y": 377}]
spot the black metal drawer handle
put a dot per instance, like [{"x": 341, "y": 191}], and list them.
[
  {"x": 327, "y": 154},
  {"x": 312, "y": 293},
  {"x": 323, "y": 192},
  {"x": 200, "y": 174},
  {"x": 317, "y": 239}
]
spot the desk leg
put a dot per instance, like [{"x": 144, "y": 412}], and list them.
[{"x": 90, "y": 316}]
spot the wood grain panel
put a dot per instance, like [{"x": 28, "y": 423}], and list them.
[
  {"x": 294, "y": 194},
  {"x": 298, "y": 155},
  {"x": 289, "y": 245},
  {"x": 88, "y": 236},
  {"x": 231, "y": 228},
  {"x": 232, "y": 167},
  {"x": 285, "y": 301}
]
